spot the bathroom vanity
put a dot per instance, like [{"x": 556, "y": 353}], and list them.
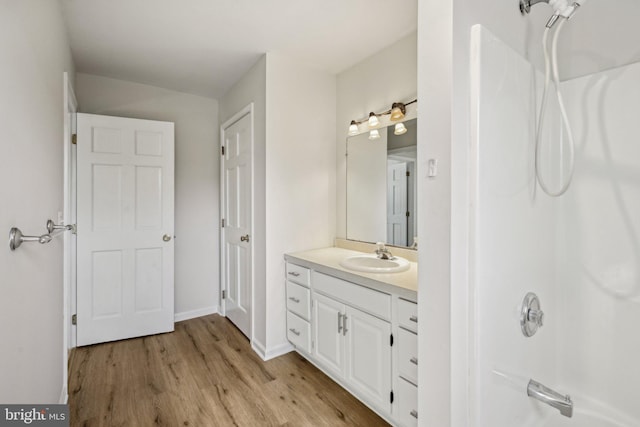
[{"x": 360, "y": 328}]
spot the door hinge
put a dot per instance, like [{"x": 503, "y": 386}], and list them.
[
  {"x": 74, "y": 139},
  {"x": 408, "y": 173},
  {"x": 313, "y": 344},
  {"x": 224, "y": 294},
  {"x": 222, "y": 222},
  {"x": 408, "y": 214},
  {"x": 391, "y": 340},
  {"x": 391, "y": 397},
  {"x": 222, "y": 147},
  {"x": 74, "y": 319}
]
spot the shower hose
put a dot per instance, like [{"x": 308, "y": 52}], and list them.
[{"x": 551, "y": 69}]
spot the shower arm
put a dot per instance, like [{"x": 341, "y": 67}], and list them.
[{"x": 525, "y": 5}]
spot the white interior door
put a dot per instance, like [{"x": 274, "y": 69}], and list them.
[
  {"x": 236, "y": 233},
  {"x": 125, "y": 220},
  {"x": 397, "y": 204}
]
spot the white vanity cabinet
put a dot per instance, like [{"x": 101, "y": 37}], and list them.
[
  {"x": 362, "y": 336},
  {"x": 355, "y": 347},
  {"x": 405, "y": 409},
  {"x": 299, "y": 307}
]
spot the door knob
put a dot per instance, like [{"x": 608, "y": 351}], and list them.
[
  {"x": 244, "y": 238},
  {"x": 166, "y": 237}
]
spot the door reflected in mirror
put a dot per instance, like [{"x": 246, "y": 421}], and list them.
[{"x": 381, "y": 186}]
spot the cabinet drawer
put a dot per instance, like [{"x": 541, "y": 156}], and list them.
[
  {"x": 300, "y": 275},
  {"x": 298, "y": 332},
  {"x": 298, "y": 300},
  {"x": 374, "y": 302},
  {"x": 408, "y": 355},
  {"x": 408, "y": 314},
  {"x": 405, "y": 406}
]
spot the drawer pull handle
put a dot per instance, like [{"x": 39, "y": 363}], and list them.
[
  {"x": 414, "y": 414},
  {"x": 414, "y": 360},
  {"x": 294, "y": 274},
  {"x": 414, "y": 318},
  {"x": 296, "y": 300},
  {"x": 297, "y": 333},
  {"x": 339, "y": 323},
  {"x": 344, "y": 324}
]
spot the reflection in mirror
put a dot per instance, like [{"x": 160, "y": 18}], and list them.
[{"x": 381, "y": 187}]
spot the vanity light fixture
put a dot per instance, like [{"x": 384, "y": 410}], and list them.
[
  {"x": 373, "y": 120},
  {"x": 400, "y": 129},
  {"x": 353, "y": 128},
  {"x": 397, "y": 112},
  {"x": 374, "y": 134}
]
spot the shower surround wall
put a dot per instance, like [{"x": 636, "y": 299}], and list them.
[
  {"x": 599, "y": 244},
  {"x": 580, "y": 253}
]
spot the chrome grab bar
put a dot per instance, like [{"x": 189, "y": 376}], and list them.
[{"x": 551, "y": 397}]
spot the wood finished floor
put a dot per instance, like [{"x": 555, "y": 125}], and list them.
[{"x": 203, "y": 374}]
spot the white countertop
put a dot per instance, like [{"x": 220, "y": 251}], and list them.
[{"x": 327, "y": 260}]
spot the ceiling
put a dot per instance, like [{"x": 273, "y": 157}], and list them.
[{"x": 205, "y": 46}]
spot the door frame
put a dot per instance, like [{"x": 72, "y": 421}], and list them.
[
  {"x": 70, "y": 107},
  {"x": 223, "y": 285}
]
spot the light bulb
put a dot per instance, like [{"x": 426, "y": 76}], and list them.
[
  {"x": 374, "y": 134},
  {"x": 353, "y": 128},
  {"x": 400, "y": 129},
  {"x": 373, "y": 120}
]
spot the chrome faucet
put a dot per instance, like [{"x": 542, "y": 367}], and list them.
[
  {"x": 382, "y": 252},
  {"x": 552, "y": 398}
]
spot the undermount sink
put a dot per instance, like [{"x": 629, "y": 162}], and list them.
[{"x": 373, "y": 264}]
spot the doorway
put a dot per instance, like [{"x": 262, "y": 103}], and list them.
[{"x": 236, "y": 180}]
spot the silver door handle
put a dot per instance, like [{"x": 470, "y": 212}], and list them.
[
  {"x": 294, "y": 331},
  {"x": 414, "y": 319},
  {"x": 339, "y": 322},
  {"x": 414, "y": 360},
  {"x": 166, "y": 238},
  {"x": 244, "y": 238},
  {"x": 296, "y": 300}
]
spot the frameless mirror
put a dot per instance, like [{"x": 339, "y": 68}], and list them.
[{"x": 381, "y": 187}]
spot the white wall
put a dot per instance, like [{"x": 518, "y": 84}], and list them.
[
  {"x": 600, "y": 243},
  {"x": 34, "y": 52},
  {"x": 292, "y": 154},
  {"x": 300, "y": 175},
  {"x": 197, "y": 216},
  {"x": 252, "y": 87},
  {"x": 372, "y": 85}
]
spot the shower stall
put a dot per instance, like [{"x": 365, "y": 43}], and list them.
[{"x": 579, "y": 253}]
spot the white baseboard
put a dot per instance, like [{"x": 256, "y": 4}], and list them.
[
  {"x": 273, "y": 352},
  {"x": 186, "y": 315},
  {"x": 64, "y": 395}
]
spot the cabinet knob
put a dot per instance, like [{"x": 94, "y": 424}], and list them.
[{"x": 166, "y": 237}]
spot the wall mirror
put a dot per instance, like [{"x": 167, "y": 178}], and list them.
[{"x": 381, "y": 186}]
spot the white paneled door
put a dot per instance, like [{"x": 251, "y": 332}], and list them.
[
  {"x": 237, "y": 136},
  {"x": 125, "y": 220},
  {"x": 397, "y": 204}
]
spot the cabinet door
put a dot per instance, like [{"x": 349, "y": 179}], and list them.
[
  {"x": 327, "y": 320},
  {"x": 368, "y": 353}
]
